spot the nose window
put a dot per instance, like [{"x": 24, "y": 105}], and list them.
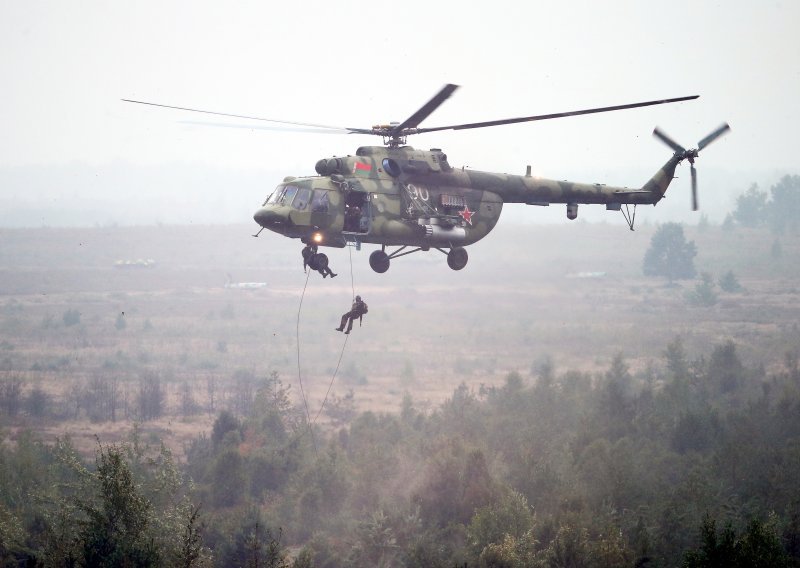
[
  {"x": 289, "y": 195},
  {"x": 276, "y": 195}
]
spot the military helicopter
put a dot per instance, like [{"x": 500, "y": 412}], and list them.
[{"x": 398, "y": 196}]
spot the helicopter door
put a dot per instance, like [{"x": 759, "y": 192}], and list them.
[{"x": 356, "y": 213}]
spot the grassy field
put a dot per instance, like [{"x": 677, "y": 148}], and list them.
[{"x": 520, "y": 299}]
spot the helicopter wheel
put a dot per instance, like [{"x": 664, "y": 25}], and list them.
[
  {"x": 457, "y": 258},
  {"x": 379, "y": 261},
  {"x": 319, "y": 261}
]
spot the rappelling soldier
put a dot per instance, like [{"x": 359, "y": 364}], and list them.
[
  {"x": 309, "y": 253},
  {"x": 357, "y": 311}
]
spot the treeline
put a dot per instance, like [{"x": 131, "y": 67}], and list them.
[
  {"x": 142, "y": 395},
  {"x": 779, "y": 209},
  {"x": 693, "y": 462}
]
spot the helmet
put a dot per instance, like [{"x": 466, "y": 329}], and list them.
[{"x": 358, "y": 298}]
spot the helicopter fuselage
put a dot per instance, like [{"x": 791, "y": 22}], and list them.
[
  {"x": 399, "y": 196},
  {"x": 394, "y": 195}
]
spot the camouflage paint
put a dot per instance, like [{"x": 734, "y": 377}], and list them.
[{"x": 400, "y": 206}]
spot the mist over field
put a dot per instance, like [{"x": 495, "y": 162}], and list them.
[
  {"x": 173, "y": 391},
  {"x": 509, "y": 410}
]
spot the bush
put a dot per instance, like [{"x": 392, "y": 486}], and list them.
[
  {"x": 729, "y": 283},
  {"x": 704, "y": 293}
]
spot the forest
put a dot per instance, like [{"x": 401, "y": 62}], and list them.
[
  {"x": 610, "y": 402},
  {"x": 692, "y": 466}
]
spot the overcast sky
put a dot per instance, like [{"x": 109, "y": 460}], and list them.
[{"x": 66, "y": 65}]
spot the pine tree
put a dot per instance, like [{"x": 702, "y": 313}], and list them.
[{"x": 670, "y": 255}]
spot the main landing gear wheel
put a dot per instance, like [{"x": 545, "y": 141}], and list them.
[
  {"x": 319, "y": 261},
  {"x": 379, "y": 261},
  {"x": 457, "y": 258}
]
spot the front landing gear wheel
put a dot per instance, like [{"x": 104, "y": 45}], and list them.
[
  {"x": 379, "y": 261},
  {"x": 457, "y": 258}
]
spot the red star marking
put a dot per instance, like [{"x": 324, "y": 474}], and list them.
[{"x": 467, "y": 214}]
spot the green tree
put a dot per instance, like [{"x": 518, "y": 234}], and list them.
[
  {"x": 191, "y": 540},
  {"x": 725, "y": 369},
  {"x": 150, "y": 397},
  {"x": 728, "y": 224},
  {"x": 677, "y": 362},
  {"x": 376, "y": 544},
  {"x": 758, "y": 546},
  {"x": 670, "y": 255},
  {"x": 11, "y": 395},
  {"x": 115, "y": 531},
  {"x": 703, "y": 293},
  {"x": 510, "y": 516},
  {"x": 246, "y": 541},
  {"x": 228, "y": 479},
  {"x": 784, "y": 207},
  {"x": 729, "y": 283},
  {"x": 225, "y": 422},
  {"x": 511, "y": 552},
  {"x": 37, "y": 404},
  {"x": 568, "y": 548},
  {"x": 751, "y": 207},
  {"x": 696, "y": 430}
]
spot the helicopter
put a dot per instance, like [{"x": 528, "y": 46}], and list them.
[{"x": 413, "y": 200}]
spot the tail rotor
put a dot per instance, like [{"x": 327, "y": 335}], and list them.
[{"x": 692, "y": 153}]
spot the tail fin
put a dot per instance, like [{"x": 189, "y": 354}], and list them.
[{"x": 660, "y": 181}]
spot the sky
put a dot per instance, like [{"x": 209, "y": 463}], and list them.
[{"x": 73, "y": 153}]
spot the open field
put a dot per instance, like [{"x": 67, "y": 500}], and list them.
[{"x": 518, "y": 301}]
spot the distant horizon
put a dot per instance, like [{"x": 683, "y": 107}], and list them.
[{"x": 190, "y": 193}]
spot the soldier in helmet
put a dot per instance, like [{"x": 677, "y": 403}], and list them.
[
  {"x": 309, "y": 253},
  {"x": 357, "y": 311}
]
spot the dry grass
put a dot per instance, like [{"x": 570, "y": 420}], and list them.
[{"x": 428, "y": 328}]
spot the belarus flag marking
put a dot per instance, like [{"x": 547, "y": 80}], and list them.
[{"x": 360, "y": 167}]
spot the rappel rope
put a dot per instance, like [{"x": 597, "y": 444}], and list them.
[
  {"x": 344, "y": 345},
  {"x": 313, "y": 422},
  {"x": 299, "y": 374},
  {"x": 352, "y": 281}
]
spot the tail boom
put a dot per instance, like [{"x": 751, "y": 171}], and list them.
[{"x": 658, "y": 184}]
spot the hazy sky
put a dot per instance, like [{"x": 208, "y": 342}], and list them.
[{"x": 66, "y": 65}]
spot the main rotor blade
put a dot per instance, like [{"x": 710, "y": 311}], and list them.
[
  {"x": 694, "y": 188},
  {"x": 342, "y": 128},
  {"x": 661, "y": 135},
  {"x": 415, "y": 119},
  {"x": 554, "y": 115},
  {"x": 713, "y": 136},
  {"x": 276, "y": 128}
]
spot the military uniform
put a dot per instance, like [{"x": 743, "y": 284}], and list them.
[
  {"x": 357, "y": 311},
  {"x": 309, "y": 253}
]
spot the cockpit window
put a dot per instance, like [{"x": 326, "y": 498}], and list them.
[
  {"x": 289, "y": 195},
  {"x": 276, "y": 195},
  {"x": 301, "y": 199},
  {"x": 319, "y": 204}
]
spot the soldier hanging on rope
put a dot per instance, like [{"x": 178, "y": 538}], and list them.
[
  {"x": 358, "y": 310},
  {"x": 312, "y": 259}
]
